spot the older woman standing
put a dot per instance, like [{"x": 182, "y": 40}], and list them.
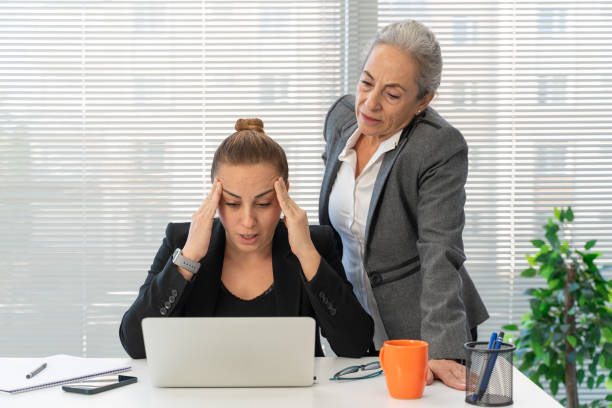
[{"x": 393, "y": 190}]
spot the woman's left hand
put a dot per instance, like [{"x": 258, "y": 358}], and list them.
[
  {"x": 296, "y": 221},
  {"x": 449, "y": 372}
]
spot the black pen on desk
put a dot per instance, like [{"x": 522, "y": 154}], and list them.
[{"x": 38, "y": 370}]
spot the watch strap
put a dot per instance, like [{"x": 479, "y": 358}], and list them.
[{"x": 179, "y": 260}]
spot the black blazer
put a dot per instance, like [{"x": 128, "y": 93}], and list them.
[{"x": 328, "y": 297}]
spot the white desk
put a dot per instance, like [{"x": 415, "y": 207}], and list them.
[{"x": 368, "y": 393}]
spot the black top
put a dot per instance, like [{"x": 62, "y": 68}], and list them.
[
  {"x": 229, "y": 305},
  {"x": 328, "y": 297}
]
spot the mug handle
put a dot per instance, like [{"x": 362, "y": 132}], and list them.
[{"x": 381, "y": 357}]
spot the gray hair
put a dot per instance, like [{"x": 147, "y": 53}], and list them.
[{"x": 418, "y": 42}]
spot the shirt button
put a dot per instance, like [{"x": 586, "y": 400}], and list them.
[{"x": 163, "y": 311}]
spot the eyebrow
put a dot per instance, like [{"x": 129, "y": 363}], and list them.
[
  {"x": 387, "y": 85},
  {"x": 257, "y": 196}
]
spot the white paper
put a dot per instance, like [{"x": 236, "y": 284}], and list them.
[{"x": 61, "y": 369}]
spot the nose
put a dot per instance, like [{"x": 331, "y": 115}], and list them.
[
  {"x": 248, "y": 217},
  {"x": 373, "y": 100}
]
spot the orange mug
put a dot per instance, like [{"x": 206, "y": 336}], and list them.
[{"x": 404, "y": 363}]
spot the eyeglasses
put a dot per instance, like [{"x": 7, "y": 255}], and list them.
[{"x": 374, "y": 365}]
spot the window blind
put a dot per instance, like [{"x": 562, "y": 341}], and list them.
[
  {"x": 109, "y": 115},
  {"x": 529, "y": 84}
]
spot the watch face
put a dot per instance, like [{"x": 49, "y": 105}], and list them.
[{"x": 176, "y": 253}]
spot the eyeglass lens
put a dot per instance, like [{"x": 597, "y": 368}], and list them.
[{"x": 374, "y": 365}]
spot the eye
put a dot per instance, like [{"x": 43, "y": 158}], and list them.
[
  {"x": 232, "y": 204},
  {"x": 393, "y": 96},
  {"x": 365, "y": 83},
  {"x": 263, "y": 204}
]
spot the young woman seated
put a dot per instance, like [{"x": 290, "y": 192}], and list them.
[{"x": 249, "y": 262}]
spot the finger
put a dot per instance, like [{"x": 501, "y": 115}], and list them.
[
  {"x": 430, "y": 376},
  {"x": 281, "y": 195},
  {"x": 216, "y": 193},
  {"x": 209, "y": 197},
  {"x": 459, "y": 372},
  {"x": 451, "y": 380}
]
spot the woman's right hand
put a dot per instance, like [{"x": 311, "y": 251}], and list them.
[{"x": 201, "y": 225}]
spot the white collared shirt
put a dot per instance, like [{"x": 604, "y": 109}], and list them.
[{"x": 349, "y": 203}]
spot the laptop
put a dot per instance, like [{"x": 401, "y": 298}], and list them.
[{"x": 230, "y": 351}]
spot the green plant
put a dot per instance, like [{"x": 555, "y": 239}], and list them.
[{"x": 567, "y": 333}]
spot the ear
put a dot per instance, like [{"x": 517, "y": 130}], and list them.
[
  {"x": 287, "y": 186},
  {"x": 425, "y": 101}
]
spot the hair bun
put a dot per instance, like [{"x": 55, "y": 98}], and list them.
[{"x": 249, "y": 124}]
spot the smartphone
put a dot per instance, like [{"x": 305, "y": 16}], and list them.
[{"x": 97, "y": 385}]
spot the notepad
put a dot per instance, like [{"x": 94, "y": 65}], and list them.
[{"x": 61, "y": 369}]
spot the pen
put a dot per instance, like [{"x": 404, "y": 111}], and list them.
[
  {"x": 485, "y": 364},
  {"x": 485, "y": 381},
  {"x": 38, "y": 370}
]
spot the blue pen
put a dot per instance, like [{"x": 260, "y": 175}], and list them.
[
  {"x": 487, "y": 376},
  {"x": 485, "y": 364}
]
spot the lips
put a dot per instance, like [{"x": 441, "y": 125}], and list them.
[
  {"x": 369, "y": 119},
  {"x": 248, "y": 238}
]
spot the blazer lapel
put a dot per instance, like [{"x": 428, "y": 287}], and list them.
[
  {"x": 331, "y": 171},
  {"x": 385, "y": 168},
  {"x": 286, "y": 270}
]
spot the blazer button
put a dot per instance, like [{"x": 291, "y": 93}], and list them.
[
  {"x": 172, "y": 299},
  {"x": 332, "y": 310},
  {"x": 174, "y": 292},
  {"x": 163, "y": 311},
  {"x": 167, "y": 305},
  {"x": 376, "y": 279}
]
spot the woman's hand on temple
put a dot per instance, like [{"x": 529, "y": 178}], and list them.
[
  {"x": 296, "y": 221},
  {"x": 449, "y": 372},
  {"x": 201, "y": 225}
]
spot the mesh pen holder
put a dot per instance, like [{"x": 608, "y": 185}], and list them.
[{"x": 488, "y": 374}]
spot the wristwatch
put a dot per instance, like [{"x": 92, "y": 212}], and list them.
[{"x": 179, "y": 260}]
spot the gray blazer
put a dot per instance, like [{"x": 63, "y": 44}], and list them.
[{"x": 414, "y": 249}]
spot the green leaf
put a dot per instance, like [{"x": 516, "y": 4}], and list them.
[
  {"x": 538, "y": 243},
  {"x": 572, "y": 340},
  {"x": 564, "y": 247},
  {"x": 557, "y": 213},
  {"x": 590, "y": 244},
  {"x": 528, "y": 273},
  {"x": 600, "y": 380},
  {"x": 593, "y": 368},
  {"x": 554, "y": 387},
  {"x": 590, "y": 257},
  {"x": 552, "y": 237},
  {"x": 546, "y": 271},
  {"x": 510, "y": 327},
  {"x": 556, "y": 284},
  {"x": 580, "y": 376},
  {"x": 607, "y": 334},
  {"x": 531, "y": 260},
  {"x": 569, "y": 214},
  {"x": 590, "y": 382}
]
